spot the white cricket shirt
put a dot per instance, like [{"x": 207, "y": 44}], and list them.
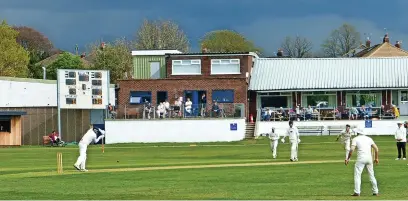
[
  {"x": 90, "y": 136},
  {"x": 274, "y": 136},
  {"x": 293, "y": 133},
  {"x": 401, "y": 133},
  {"x": 363, "y": 147},
  {"x": 346, "y": 136}
]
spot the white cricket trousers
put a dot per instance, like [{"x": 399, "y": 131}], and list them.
[
  {"x": 82, "y": 156},
  {"x": 293, "y": 150},
  {"x": 358, "y": 169},
  {"x": 274, "y": 146},
  {"x": 347, "y": 147}
]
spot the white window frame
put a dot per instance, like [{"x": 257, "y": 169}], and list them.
[
  {"x": 231, "y": 61},
  {"x": 180, "y": 62}
]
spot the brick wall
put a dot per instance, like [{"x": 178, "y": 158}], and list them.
[
  {"x": 176, "y": 87},
  {"x": 245, "y": 64}
]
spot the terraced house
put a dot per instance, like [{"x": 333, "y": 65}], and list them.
[{"x": 207, "y": 82}]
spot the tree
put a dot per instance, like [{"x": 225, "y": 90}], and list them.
[
  {"x": 65, "y": 60},
  {"x": 13, "y": 58},
  {"x": 298, "y": 47},
  {"x": 114, "y": 57},
  {"x": 161, "y": 35},
  {"x": 341, "y": 41},
  {"x": 38, "y": 46},
  {"x": 227, "y": 41}
]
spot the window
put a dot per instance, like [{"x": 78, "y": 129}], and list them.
[
  {"x": 186, "y": 67},
  {"x": 394, "y": 98},
  {"x": 225, "y": 66},
  {"x": 314, "y": 99},
  {"x": 139, "y": 97},
  {"x": 372, "y": 99},
  {"x": 154, "y": 70},
  {"x": 223, "y": 96},
  {"x": 404, "y": 96},
  {"x": 276, "y": 101},
  {"x": 5, "y": 125}
]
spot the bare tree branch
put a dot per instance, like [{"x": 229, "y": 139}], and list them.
[
  {"x": 160, "y": 35},
  {"x": 341, "y": 41},
  {"x": 298, "y": 47}
]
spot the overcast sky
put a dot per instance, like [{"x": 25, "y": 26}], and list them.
[{"x": 266, "y": 22}]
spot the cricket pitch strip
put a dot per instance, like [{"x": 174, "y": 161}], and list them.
[{"x": 70, "y": 172}]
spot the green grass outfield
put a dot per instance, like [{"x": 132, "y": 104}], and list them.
[{"x": 237, "y": 170}]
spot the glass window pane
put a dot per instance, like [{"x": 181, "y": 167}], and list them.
[
  {"x": 187, "y": 69},
  {"x": 223, "y": 96},
  {"x": 225, "y": 69},
  {"x": 275, "y": 101}
]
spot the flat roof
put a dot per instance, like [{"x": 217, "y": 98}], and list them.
[
  {"x": 12, "y": 113},
  {"x": 154, "y": 52},
  {"x": 213, "y": 54},
  {"x": 31, "y": 80}
]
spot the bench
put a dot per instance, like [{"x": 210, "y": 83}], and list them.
[
  {"x": 310, "y": 129},
  {"x": 46, "y": 140},
  {"x": 335, "y": 129},
  {"x": 338, "y": 129}
]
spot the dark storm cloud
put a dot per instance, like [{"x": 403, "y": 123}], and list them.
[{"x": 267, "y": 22}]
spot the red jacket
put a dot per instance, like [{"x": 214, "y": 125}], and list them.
[{"x": 53, "y": 136}]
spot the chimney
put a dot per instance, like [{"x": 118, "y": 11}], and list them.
[
  {"x": 204, "y": 50},
  {"x": 102, "y": 45},
  {"x": 398, "y": 44},
  {"x": 280, "y": 53},
  {"x": 368, "y": 42},
  {"x": 386, "y": 39}
]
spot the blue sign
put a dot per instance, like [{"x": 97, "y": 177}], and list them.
[
  {"x": 233, "y": 126},
  {"x": 368, "y": 123}
]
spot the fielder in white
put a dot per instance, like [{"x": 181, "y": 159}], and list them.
[
  {"x": 363, "y": 144},
  {"x": 92, "y": 135},
  {"x": 274, "y": 139},
  {"x": 345, "y": 137},
  {"x": 293, "y": 134}
]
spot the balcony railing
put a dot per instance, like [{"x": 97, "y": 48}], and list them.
[
  {"x": 145, "y": 111},
  {"x": 318, "y": 114}
]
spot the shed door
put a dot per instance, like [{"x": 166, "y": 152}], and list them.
[{"x": 155, "y": 70}]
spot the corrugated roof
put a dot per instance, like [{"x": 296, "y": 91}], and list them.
[
  {"x": 329, "y": 73},
  {"x": 154, "y": 52}
]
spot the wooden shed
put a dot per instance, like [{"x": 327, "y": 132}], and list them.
[{"x": 10, "y": 128}]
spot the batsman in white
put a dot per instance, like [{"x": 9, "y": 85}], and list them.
[
  {"x": 294, "y": 139},
  {"x": 345, "y": 137},
  {"x": 92, "y": 135},
  {"x": 363, "y": 144},
  {"x": 274, "y": 139}
]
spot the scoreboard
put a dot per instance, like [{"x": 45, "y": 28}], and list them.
[{"x": 83, "y": 89}]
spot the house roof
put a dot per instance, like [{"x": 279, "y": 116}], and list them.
[
  {"x": 154, "y": 52},
  {"x": 382, "y": 50},
  {"x": 12, "y": 113},
  {"x": 329, "y": 73}
]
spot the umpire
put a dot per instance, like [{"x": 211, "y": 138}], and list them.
[{"x": 401, "y": 138}]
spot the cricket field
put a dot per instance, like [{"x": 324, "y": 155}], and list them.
[{"x": 202, "y": 171}]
